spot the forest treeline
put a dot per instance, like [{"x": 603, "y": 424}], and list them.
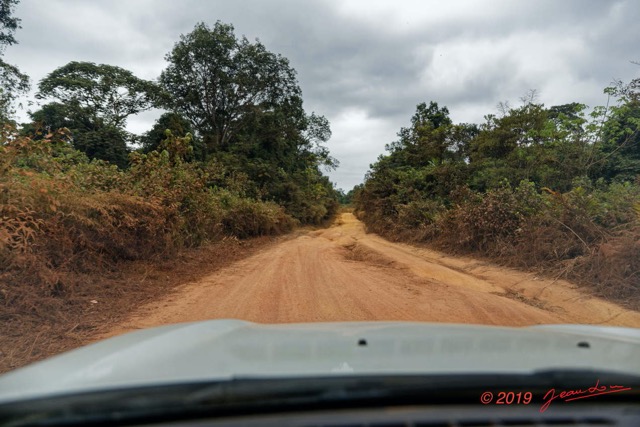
[
  {"x": 233, "y": 154},
  {"x": 554, "y": 188}
]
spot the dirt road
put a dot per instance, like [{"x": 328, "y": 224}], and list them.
[{"x": 342, "y": 273}]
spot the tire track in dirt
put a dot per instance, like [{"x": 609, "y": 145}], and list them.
[{"x": 343, "y": 274}]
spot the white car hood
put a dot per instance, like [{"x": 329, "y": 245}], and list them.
[{"x": 226, "y": 349}]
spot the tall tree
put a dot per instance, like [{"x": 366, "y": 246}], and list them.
[
  {"x": 13, "y": 83},
  {"x": 103, "y": 92},
  {"x": 8, "y": 23},
  {"x": 218, "y": 81},
  {"x": 427, "y": 139},
  {"x": 245, "y": 106},
  {"x": 94, "y": 102}
]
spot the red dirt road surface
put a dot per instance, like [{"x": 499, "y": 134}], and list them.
[{"x": 343, "y": 274}]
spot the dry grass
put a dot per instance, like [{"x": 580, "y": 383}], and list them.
[
  {"x": 68, "y": 314},
  {"x": 592, "y": 239},
  {"x": 80, "y": 241}
]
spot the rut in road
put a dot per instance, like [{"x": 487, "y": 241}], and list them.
[{"x": 344, "y": 274}]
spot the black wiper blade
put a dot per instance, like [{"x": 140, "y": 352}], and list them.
[
  {"x": 251, "y": 395},
  {"x": 350, "y": 388}
]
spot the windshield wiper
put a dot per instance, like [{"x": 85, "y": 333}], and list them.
[{"x": 252, "y": 395}]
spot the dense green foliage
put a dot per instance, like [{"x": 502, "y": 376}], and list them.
[
  {"x": 100, "y": 92},
  {"x": 59, "y": 208},
  {"x": 93, "y": 102},
  {"x": 177, "y": 124},
  {"x": 534, "y": 186},
  {"x": 234, "y": 154},
  {"x": 239, "y": 104},
  {"x": 219, "y": 82},
  {"x": 245, "y": 107}
]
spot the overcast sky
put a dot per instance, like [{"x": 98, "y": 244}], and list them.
[{"x": 364, "y": 65}]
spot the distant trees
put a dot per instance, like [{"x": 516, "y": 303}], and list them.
[
  {"x": 532, "y": 187},
  {"x": 552, "y": 148},
  {"x": 346, "y": 199}
]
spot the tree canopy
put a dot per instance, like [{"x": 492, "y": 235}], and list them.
[
  {"x": 217, "y": 81},
  {"x": 8, "y": 23},
  {"x": 558, "y": 149},
  {"x": 13, "y": 82},
  {"x": 94, "y": 101},
  {"x": 103, "y": 92},
  {"x": 237, "y": 107}
]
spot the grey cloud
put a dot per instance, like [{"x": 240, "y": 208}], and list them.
[{"x": 467, "y": 55}]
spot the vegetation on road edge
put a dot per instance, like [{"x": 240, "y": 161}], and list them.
[
  {"x": 535, "y": 187},
  {"x": 234, "y": 155}
]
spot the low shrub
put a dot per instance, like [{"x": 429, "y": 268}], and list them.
[
  {"x": 590, "y": 234},
  {"x": 488, "y": 222},
  {"x": 244, "y": 218},
  {"x": 60, "y": 212}
]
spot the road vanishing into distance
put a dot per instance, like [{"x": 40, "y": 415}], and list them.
[{"x": 342, "y": 273}]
